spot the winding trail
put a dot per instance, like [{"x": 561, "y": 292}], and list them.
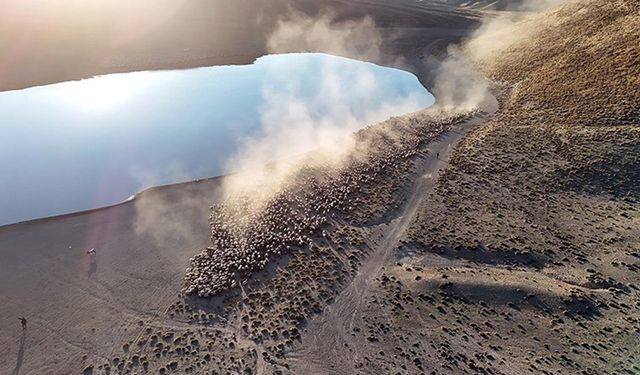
[{"x": 324, "y": 344}]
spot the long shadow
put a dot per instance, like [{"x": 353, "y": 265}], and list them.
[
  {"x": 479, "y": 254},
  {"x": 93, "y": 265},
  {"x": 20, "y": 358},
  {"x": 616, "y": 174},
  {"x": 576, "y": 306}
]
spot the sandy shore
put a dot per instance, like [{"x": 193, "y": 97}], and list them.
[
  {"x": 55, "y": 45},
  {"x": 77, "y": 302}
]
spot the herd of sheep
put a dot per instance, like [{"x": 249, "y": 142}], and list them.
[{"x": 245, "y": 239}]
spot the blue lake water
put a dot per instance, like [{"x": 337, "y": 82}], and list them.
[{"x": 84, "y": 144}]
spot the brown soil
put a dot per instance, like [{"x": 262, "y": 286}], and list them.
[{"x": 525, "y": 260}]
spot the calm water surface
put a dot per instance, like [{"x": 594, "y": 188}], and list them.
[{"x": 84, "y": 144}]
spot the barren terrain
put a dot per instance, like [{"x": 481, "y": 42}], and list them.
[
  {"x": 525, "y": 257},
  {"x": 502, "y": 240}
]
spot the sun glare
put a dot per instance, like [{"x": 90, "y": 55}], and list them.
[{"x": 102, "y": 93}]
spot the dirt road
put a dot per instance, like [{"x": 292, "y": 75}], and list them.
[{"x": 323, "y": 342}]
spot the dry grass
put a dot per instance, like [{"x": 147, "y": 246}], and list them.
[{"x": 550, "y": 186}]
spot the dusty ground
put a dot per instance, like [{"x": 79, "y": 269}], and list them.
[
  {"x": 525, "y": 258},
  {"x": 514, "y": 252},
  {"x": 119, "y": 310},
  {"x": 76, "y": 303}
]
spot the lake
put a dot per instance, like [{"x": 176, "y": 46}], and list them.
[{"x": 84, "y": 144}]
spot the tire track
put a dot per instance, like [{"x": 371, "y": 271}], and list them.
[{"x": 321, "y": 349}]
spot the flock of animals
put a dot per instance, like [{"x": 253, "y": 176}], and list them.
[{"x": 246, "y": 234}]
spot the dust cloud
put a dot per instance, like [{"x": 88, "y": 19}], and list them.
[
  {"x": 316, "y": 131},
  {"x": 296, "y": 32},
  {"x": 293, "y": 136},
  {"x": 173, "y": 213},
  {"x": 502, "y": 30},
  {"x": 460, "y": 83}
]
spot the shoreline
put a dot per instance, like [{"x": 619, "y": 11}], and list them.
[
  {"x": 141, "y": 252},
  {"x": 86, "y": 308},
  {"x": 131, "y": 199},
  {"x": 513, "y": 249},
  {"x": 139, "y": 193},
  {"x": 199, "y": 35}
]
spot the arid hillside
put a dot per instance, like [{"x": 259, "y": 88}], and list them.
[{"x": 526, "y": 259}]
